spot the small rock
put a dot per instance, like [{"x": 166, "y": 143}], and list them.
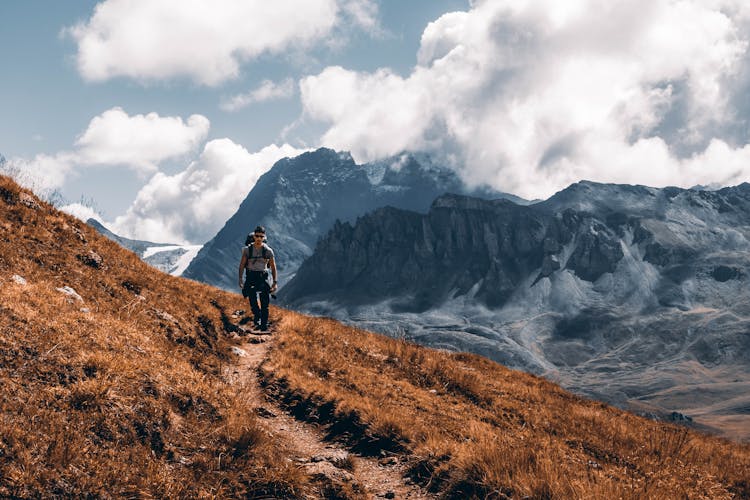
[
  {"x": 239, "y": 352},
  {"x": 334, "y": 456},
  {"x": 85, "y": 310},
  {"x": 388, "y": 461},
  {"x": 238, "y": 313},
  {"x": 266, "y": 413},
  {"x": 29, "y": 201},
  {"x": 91, "y": 259},
  {"x": 19, "y": 280},
  {"x": 133, "y": 287},
  {"x": 676, "y": 416},
  {"x": 433, "y": 391},
  {"x": 79, "y": 234},
  {"x": 70, "y": 293},
  {"x": 164, "y": 316},
  {"x": 327, "y": 471}
]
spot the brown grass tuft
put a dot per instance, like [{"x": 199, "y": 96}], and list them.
[{"x": 474, "y": 429}]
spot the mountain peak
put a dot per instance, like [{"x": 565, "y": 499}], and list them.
[
  {"x": 300, "y": 198},
  {"x": 326, "y": 154}
]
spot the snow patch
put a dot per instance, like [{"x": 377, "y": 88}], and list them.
[
  {"x": 190, "y": 251},
  {"x": 185, "y": 260}
]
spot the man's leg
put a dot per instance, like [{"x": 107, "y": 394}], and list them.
[
  {"x": 264, "y": 300},
  {"x": 254, "y": 307}
]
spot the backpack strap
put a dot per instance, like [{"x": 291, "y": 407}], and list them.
[{"x": 263, "y": 252}]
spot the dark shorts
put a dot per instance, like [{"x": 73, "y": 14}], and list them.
[{"x": 255, "y": 281}]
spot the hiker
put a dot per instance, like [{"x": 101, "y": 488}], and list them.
[{"x": 256, "y": 258}]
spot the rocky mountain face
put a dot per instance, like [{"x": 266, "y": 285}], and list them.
[
  {"x": 630, "y": 294},
  {"x": 168, "y": 258},
  {"x": 300, "y": 198}
]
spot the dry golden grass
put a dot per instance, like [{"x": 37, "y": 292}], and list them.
[
  {"x": 474, "y": 429},
  {"x": 125, "y": 399}
]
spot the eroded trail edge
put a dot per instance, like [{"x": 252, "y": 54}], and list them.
[{"x": 336, "y": 470}]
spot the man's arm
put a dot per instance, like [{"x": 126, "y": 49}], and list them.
[
  {"x": 272, "y": 265},
  {"x": 243, "y": 263}
]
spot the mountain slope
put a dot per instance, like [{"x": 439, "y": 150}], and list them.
[
  {"x": 110, "y": 373},
  {"x": 474, "y": 429},
  {"x": 132, "y": 391},
  {"x": 633, "y": 295},
  {"x": 300, "y": 198},
  {"x": 166, "y": 257}
]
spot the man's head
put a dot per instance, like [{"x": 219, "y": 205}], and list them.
[{"x": 258, "y": 234}]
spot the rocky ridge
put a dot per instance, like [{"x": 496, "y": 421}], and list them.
[
  {"x": 299, "y": 199},
  {"x": 630, "y": 294}
]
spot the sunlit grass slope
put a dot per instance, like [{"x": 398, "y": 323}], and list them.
[
  {"x": 474, "y": 429},
  {"x": 121, "y": 393}
]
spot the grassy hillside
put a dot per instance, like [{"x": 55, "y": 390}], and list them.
[
  {"x": 475, "y": 429},
  {"x": 120, "y": 393},
  {"x": 123, "y": 393}
]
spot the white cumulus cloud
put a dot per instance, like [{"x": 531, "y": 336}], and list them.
[
  {"x": 192, "y": 205},
  {"x": 82, "y": 212},
  {"x": 203, "y": 41},
  {"x": 531, "y": 96},
  {"x": 113, "y": 138},
  {"x": 266, "y": 91},
  {"x": 364, "y": 13},
  {"x": 139, "y": 141}
]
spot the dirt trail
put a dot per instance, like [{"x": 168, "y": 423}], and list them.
[{"x": 306, "y": 445}]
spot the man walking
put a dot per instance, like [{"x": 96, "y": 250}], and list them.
[{"x": 256, "y": 258}]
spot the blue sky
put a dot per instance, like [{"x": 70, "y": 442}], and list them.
[
  {"x": 163, "y": 114},
  {"x": 51, "y": 104}
]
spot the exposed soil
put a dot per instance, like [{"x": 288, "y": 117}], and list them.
[{"x": 337, "y": 470}]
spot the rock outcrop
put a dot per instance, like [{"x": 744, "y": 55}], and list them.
[
  {"x": 463, "y": 245},
  {"x": 299, "y": 199},
  {"x": 625, "y": 293}
]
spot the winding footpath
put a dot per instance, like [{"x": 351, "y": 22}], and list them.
[{"x": 329, "y": 462}]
